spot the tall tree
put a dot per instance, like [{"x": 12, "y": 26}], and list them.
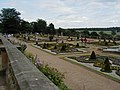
[
  {"x": 10, "y": 20},
  {"x": 51, "y": 29},
  {"x": 41, "y": 26},
  {"x": 59, "y": 31},
  {"x": 113, "y": 32},
  {"x": 94, "y": 34},
  {"x": 85, "y": 33},
  {"x": 34, "y": 27},
  {"x": 25, "y": 26}
]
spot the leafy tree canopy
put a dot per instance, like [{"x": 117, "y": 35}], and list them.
[
  {"x": 10, "y": 20},
  {"x": 51, "y": 29}
]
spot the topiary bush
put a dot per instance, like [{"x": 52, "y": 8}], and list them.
[
  {"x": 55, "y": 47},
  {"x": 106, "y": 43},
  {"x": 106, "y": 66},
  {"x": 63, "y": 48},
  {"x": 36, "y": 43},
  {"x": 44, "y": 46},
  {"x": 51, "y": 38},
  {"x": 118, "y": 72},
  {"x": 77, "y": 45},
  {"x": 77, "y": 37},
  {"x": 92, "y": 56},
  {"x": 28, "y": 38},
  {"x": 114, "y": 43}
]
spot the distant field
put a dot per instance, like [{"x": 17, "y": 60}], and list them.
[{"x": 108, "y": 32}]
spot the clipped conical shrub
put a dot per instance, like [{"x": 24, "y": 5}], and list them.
[
  {"x": 36, "y": 42},
  {"x": 77, "y": 45},
  {"x": 55, "y": 47},
  {"x": 44, "y": 46},
  {"x": 92, "y": 56},
  {"x": 62, "y": 41},
  {"x": 107, "y": 65},
  {"x": 63, "y": 48},
  {"x": 106, "y": 43}
]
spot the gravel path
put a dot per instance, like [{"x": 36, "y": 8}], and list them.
[{"x": 76, "y": 77}]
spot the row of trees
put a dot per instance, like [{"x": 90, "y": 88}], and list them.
[
  {"x": 11, "y": 22},
  {"x": 96, "y": 29}
]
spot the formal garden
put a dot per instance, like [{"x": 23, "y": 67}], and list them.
[
  {"x": 104, "y": 64},
  {"x": 61, "y": 47},
  {"x": 46, "y": 37}
]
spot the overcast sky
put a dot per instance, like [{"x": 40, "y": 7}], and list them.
[{"x": 68, "y": 13}]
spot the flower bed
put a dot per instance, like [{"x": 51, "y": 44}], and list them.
[
  {"x": 99, "y": 62},
  {"x": 62, "y": 47}
]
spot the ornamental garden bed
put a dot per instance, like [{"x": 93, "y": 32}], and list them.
[
  {"x": 102, "y": 43},
  {"x": 60, "y": 48},
  {"x": 100, "y": 63}
]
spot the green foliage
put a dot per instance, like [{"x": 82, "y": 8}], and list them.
[
  {"x": 28, "y": 38},
  {"x": 114, "y": 43},
  {"x": 30, "y": 56},
  {"x": 10, "y": 20},
  {"x": 85, "y": 33},
  {"x": 94, "y": 35},
  {"x": 45, "y": 45},
  {"x": 114, "y": 67},
  {"x": 77, "y": 45},
  {"x": 23, "y": 47},
  {"x": 113, "y": 32},
  {"x": 98, "y": 64},
  {"x": 68, "y": 37},
  {"x": 106, "y": 66},
  {"x": 51, "y": 38},
  {"x": 78, "y": 37},
  {"x": 105, "y": 35},
  {"x": 63, "y": 48},
  {"x": 118, "y": 72},
  {"x": 36, "y": 42},
  {"x": 25, "y": 26},
  {"x": 102, "y": 43},
  {"x": 92, "y": 56},
  {"x": 41, "y": 25},
  {"x": 52, "y": 73},
  {"x": 71, "y": 39},
  {"x": 16, "y": 35},
  {"x": 51, "y": 29},
  {"x": 55, "y": 47},
  {"x": 62, "y": 42},
  {"x": 106, "y": 43}
]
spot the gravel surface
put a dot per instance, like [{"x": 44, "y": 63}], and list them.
[{"x": 76, "y": 77}]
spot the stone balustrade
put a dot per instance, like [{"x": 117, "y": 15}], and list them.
[{"x": 21, "y": 74}]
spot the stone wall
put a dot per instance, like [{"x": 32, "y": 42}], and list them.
[{"x": 21, "y": 74}]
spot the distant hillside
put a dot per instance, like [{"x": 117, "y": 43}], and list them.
[{"x": 96, "y": 29}]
